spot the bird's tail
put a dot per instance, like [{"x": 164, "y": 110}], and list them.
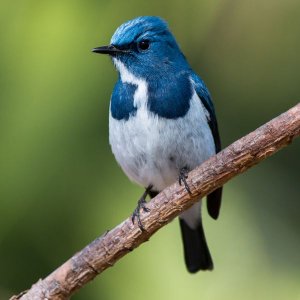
[{"x": 196, "y": 252}]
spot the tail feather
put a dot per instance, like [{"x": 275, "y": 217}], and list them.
[
  {"x": 196, "y": 252},
  {"x": 214, "y": 203}
]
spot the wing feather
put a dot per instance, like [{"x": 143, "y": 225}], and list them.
[{"x": 214, "y": 198}]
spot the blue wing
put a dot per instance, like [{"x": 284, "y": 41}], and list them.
[{"x": 213, "y": 199}]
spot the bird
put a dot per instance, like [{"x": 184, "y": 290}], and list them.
[{"x": 162, "y": 123}]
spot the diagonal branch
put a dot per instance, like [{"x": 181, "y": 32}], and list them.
[{"x": 106, "y": 250}]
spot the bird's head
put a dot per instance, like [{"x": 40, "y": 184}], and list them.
[{"x": 145, "y": 46}]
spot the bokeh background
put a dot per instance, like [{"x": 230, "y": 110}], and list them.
[{"x": 60, "y": 186}]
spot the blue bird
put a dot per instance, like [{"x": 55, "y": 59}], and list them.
[{"x": 162, "y": 123}]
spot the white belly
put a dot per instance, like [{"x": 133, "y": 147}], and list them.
[{"x": 151, "y": 150}]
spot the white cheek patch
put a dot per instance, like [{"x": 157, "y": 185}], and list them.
[{"x": 140, "y": 97}]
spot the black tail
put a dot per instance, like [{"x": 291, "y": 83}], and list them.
[{"x": 196, "y": 252}]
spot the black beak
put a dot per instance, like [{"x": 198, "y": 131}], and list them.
[{"x": 111, "y": 49}]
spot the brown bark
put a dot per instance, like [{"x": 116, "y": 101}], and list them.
[{"x": 106, "y": 250}]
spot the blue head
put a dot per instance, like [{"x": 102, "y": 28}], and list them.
[{"x": 146, "y": 47}]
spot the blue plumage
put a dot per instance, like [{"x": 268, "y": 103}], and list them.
[
  {"x": 179, "y": 90},
  {"x": 170, "y": 100},
  {"x": 162, "y": 122},
  {"x": 121, "y": 104},
  {"x": 205, "y": 98},
  {"x": 146, "y": 26}
]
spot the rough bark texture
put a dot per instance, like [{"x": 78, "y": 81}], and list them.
[{"x": 106, "y": 250}]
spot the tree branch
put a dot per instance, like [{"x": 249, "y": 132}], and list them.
[{"x": 106, "y": 250}]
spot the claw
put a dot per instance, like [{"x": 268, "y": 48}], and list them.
[
  {"x": 141, "y": 205},
  {"x": 183, "y": 175}
]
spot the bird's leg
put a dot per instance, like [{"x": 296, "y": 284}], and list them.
[
  {"x": 141, "y": 205},
  {"x": 183, "y": 175}
]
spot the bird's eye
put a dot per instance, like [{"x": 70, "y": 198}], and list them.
[{"x": 143, "y": 45}]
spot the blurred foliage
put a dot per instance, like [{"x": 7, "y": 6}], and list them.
[{"x": 60, "y": 186}]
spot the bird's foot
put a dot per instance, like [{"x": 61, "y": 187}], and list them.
[
  {"x": 141, "y": 205},
  {"x": 183, "y": 175}
]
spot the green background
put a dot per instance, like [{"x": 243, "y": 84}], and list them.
[{"x": 60, "y": 186}]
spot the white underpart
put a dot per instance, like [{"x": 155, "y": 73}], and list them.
[{"x": 151, "y": 150}]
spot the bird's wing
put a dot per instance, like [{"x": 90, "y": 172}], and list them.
[{"x": 214, "y": 198}]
